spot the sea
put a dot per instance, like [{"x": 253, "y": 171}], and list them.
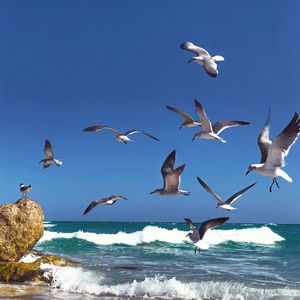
[{"x": 157, "y": 261}]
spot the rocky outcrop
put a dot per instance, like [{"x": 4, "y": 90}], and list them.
[
  {"x": 24, "y": 272},
  {"x": 21, "y": 226}
]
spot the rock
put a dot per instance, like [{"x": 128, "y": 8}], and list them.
[
  {"x": 21, "y": 226},
  {"x": 24, "y": 272}
]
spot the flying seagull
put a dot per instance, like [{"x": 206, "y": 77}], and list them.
[
  {"x": 197, "y": 235},
  {"x": 121, "y": 137},
  {"x": 225, "y": 204},
  {"x": 203, "y": 58},
  {"x": 105, "y": 201},
  {"x": 49, "y": 160},
  {"x": 188, "y": 120},
  {"x": 25, "y": 189},
  {"x": 212, "y": 131},
  {"x": 274, "y": 153},
  {"x": 171, "y": 178}
]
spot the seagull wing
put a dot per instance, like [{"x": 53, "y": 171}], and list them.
[
  {"x": 172, "y": 179},
  {"x": 48, "y": 150},
  {"x": 100, "y": 127},
  {"x": 206, "y": 125},
  {"x": 116, "y": 196},
  {"x": 239, "y": 194},
  {"x": 208, "y": 189},
  {"x": 144, "y": 133},
  {"x": 222, "y": 125},
  {"x": 95, "y": 203},
  {"x": 280, "y": 147},
  {"x": 168, "y": 164},
  {"x": 210, "y": 67},
  {"x": 183, "y": 114},
  {"x": 209, "y": 224},
  {"x": 263, "y": 140},
  {"x": 191, "y": 224},
  {"x": 193, "y": 48}
]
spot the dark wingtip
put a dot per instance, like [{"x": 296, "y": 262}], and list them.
[{"x": 183, "y": 45}]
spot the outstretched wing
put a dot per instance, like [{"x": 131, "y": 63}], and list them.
[
  {"x": 100, "y": 127},
  {"x": 206, "y": 125},
  {"x": 168, "y": 164},
  {"x": 239, "y": 194},
  {"x": 144, "y": 133},
  {"x": 95, "y": 203},
  {"x": 281, "y": 146},
  {"x": 193, "y": 48},
  {"x": 222, "y": 125},
  {"x": 48, "y": 150},
  {"x": 183, "y": 114},
  {"x": 191, "y": 224},
  {"x": 263, "y": 140},
  {"x": 208, "y": 189},
  {"x": 210, "y": 67},
  {"x": 116, "y": 196},
  {"x": 209, "y": 224}
]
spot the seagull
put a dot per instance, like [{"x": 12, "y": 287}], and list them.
[
  {"x": 105, "y": 201},
  {"x": 121, "y": 137},
  {"x": 25, "y": 189},
  {"x": 171, "y": 178},
  {"x": 203, "y": 58},
  {"x": 197, "y": 235},
  {"x": 49, "y": 160},
  {"x": 274, "y": 153},
  {"x": 188, "y": 120},
  {"x": 225, "y": 204},
  {"x": 212, "y": 132}
]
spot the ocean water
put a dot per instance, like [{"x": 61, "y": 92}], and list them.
[{"x": 157, "y": 261}]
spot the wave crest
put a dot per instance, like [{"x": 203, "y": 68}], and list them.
[{"x": 261, "y": 235}]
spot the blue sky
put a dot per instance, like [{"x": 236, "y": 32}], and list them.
[{"x": 66, "y": 65}]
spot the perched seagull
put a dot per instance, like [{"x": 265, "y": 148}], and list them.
[
  {"x": 25, "y": 189},
  {"x": 49, "y": 160},
  {"x": 203, "y": 58},
  {"x": 225, "y": 204},
  {"x": 171, "y": 178},
  {"x": 197, "y": 235},
  {"x": 188, "y": 120},
  {"x": 105, "y": 201},
  {"x": 212, "y": 132},
  {"x": 121, "y": 137},
  {"x": 274, "y": 153}
]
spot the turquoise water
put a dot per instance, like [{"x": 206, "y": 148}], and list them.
[{"x": 243, "y": 261}]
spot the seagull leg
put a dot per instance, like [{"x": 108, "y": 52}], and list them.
[
  {"x": 198, "y": 250},
  {"x": 276, "y": 182},
  {"x": 195, "y": 250},
  {"x": 271, "y": 185}
]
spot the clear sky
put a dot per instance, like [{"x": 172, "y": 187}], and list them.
[{"x": 66, "y": 65}]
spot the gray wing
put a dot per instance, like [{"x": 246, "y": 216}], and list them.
[
  {"x": 191, "y": 224},
  {"x": 281, "y": 146},
  {"x": 95, "y": 203},
  {"x": 116, "y": 196},
  {"x": 263, "y": 140},
  {"x": 222, "y": 125},
  {"x": 183, "y": 114},
  {"x": 144, "y": 133},
  {"x": 100, "y": 127},
  {"x": 206, "y": 125},
  {"x": 208, "y": 189},
  {"x": 209, "y": 224},
  {"x": 193, "y": 48},
  {"x": 48, "y": 150},
  {"x": 168, "y": 164},
  {"x": 172, "y": 179},
  {"x": 238, "y": 194}
]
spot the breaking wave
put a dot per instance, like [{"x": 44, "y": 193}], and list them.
[
  {"x": 262, "y": 235},
  {"x": 78, "y": 280}
]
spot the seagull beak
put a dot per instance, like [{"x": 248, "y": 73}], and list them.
[
  {"x": 189, "y": 61},
  {"x": 248, "y": 172}
]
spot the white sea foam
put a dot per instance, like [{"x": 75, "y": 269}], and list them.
[
  {"x": 262, "y": 235},
  {"x": 78, "y": 280},
  {"x": 29, "y": 258},
  {"x": 49, "y": 225}
]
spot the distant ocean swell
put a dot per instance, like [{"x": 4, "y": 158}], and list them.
[
  {"x": 78, "y": 280},
  {"x": 262, "y": 235}
]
